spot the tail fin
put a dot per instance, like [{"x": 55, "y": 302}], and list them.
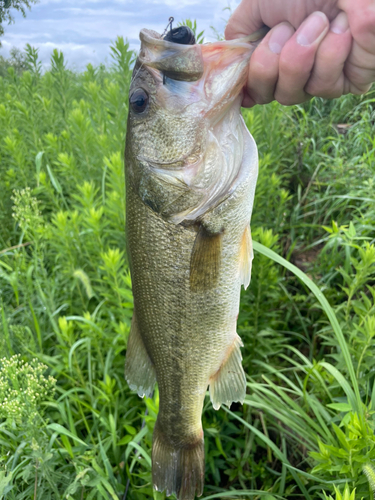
[{"x": 177, "y": 469}]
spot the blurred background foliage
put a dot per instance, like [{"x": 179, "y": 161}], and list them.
[
  {"x": 7, "y": 8},
  {"x": 70, "y": 428}
]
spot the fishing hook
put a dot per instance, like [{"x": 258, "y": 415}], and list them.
[
  {"x": 169, "y": 25},
  {"x": 170, "y": 21}
]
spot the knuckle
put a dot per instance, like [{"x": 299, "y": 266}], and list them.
[
  {"x": 360, "y": 79},
  {"x": 262, "y": 73},
  {"x": 359, "y": 89},
  {"x": 328, "y": 88},
  {"x": 327, "y": 92},
  {"x": 289, "y": 66},
  {"x": 286, "y": 100},
  {"x": 365, "y": 22},
  {"x": 262, "y": 66},
  {"x": 261, "y": 93},
  {"x": 286, "y": 97},
  {"x": 262, "y": 99}
]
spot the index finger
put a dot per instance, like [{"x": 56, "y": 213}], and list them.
[
  {"x": 243, "y": 21},
  {"x": 251, "y": 15}
]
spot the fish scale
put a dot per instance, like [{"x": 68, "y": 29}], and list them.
[{"x": 187, "y": 270}]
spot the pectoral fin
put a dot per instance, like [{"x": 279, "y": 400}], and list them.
[
  {"x": 246, "y": 257},
  {"x": 139, "y": 370},
  {"x": 205, "y": 260},
  {"x": 228, "y": 385}
]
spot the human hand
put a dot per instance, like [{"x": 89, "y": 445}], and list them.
[{"x": 322, "y": 48}]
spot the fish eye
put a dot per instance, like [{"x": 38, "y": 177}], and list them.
[{"x": 138, "y": 101}]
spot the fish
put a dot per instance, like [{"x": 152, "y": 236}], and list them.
[{"x": 191, "y": 169}]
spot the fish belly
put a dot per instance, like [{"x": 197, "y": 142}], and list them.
[{"x": 186, "y": 333}]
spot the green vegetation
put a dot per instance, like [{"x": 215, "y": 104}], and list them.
[{"x": 70, "y": 428}]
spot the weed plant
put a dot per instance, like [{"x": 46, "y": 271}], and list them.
[{"x": 70, "y": 428}]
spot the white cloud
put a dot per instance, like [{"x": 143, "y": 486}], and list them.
[
  {"x": 65, "y": 2},
  {"x": 84, "y": 29},
  {"x": 181, "y": 4}
]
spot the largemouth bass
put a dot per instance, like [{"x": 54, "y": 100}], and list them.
[{"x": 191, "y": 169}]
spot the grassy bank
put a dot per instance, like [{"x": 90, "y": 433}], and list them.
[{"x": 70, "y": 428}]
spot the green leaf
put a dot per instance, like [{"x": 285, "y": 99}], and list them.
[
  {"x": 351, "y": 231},
  {"x": 355, "y": 401},
  {"x": 342, "y": 382},
  {"x": 54, "y": 181},
  {"x": 5, "y": 480},
  {"x": 143, "y": 452},
  {"x": 344, "y": 407},
  {"x": 130, "y": 429},
  {"x": 341, "y": 437},
  {"x": 61, "y": 430},
  {"x": 38, "y": 165},
  {"x": 264, "y": 495},
  {"x": 68, "y": 446},
  {"x": 109, "y": 488},
  {"x": 279, "y": 454},
  {"x": 124, "y": 440}
]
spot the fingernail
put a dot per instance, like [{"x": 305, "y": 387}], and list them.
[
  {"x": 279, "y": 36},
  {"x": 340, "y": 24},
  {"x": 312, "y": 28}
]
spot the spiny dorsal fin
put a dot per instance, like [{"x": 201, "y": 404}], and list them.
[
  {"x": 205, "y": 260},
  {"x": 246, "y": 257}
]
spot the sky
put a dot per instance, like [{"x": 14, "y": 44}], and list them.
[{"x": 84, "y": 29}]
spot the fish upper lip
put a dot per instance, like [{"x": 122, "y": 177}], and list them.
[{"x": 151, "y": 36}]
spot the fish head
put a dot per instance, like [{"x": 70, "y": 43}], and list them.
[
  {"x": 183, "y": 101},
  {"x": 162, "y": 129}
]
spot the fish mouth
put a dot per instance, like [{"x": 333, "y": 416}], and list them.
[
  {"x": 176, "y": 61},
  {"x": 215, "y": 73},
  {"x": 192, "y": 62},
  {"x": 190, "y": 158}
]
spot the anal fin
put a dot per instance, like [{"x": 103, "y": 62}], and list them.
[
  {"x": 246, "y": 257},
  {"x": 228, "y": 385},
  {"x": 139, "y": 370},
  {"x": 205, "y": 260}
]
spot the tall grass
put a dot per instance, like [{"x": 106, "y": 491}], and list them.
[{"x": 306, "y": 429}]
